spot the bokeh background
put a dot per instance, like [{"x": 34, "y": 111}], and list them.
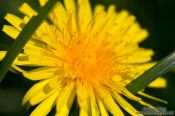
[{"x": 158, "y": 16}]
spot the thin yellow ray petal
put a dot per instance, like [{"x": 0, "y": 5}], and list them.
[
  {"x": 38, "y": 48},
  {"x": 133, "y": 97},
  {"x": 158, "y": 83},
  {"x": 43, "y": 2},
  {"x": 34, "y": 90},
  {"x": 108, "y": 101},
  {"x": 116, "y": 78},
  {"x": 83, "y": 99},
  {"x": 84, "y": 14},
  {"x": 128, "y": 22},
  {"x": 33, "y": 50},
  {"x": 59, "y": 16},
  {"x": 146, "y": 104},
  {"x": 72, "y": 15},
  {"x": 102, "y": 109},
  {"x": 136, "y": 33},
  {"x": 136, "y": 69},
  {"x": 40, "y": 73},
  {"x": 70, "y": 5},
  {"x": 140, "y": 68},
  {"x": 125, "y": 105},
  {"x": 141, "y": 35},
  {"x": 120, "y": 29},
  {"x": 27, "y": 10},
  {"x": 140, "y": 56},
  {"x": 99, "y": 16},
  {"x": 47, "y": 90},
  {"x": 110, "y": 17},
  {"x": 11, "y": 31},
  {"x": 26, "y": 19},
  {"x": 98, "y": 9},
  {"x": 2, "y": 54},
  {"x": 14, "y": 20},
  {"x": 43, "y": 29},
  {"x": 120, "y": 22},
  {"x": 26, "y": 60},
  {"x": 65, "y": 99},
  {"x": 152, "y": 97},
  {"x": 111, "y": 9},
  {"x": 23, "y": 59},
  {"x": 45, "y": 107},
  {"x": 130, "y": 95},
  {"x": 126, "y": 48},
  {"x": 94, "y": 107},
  {"x": 121, "y": 17}
]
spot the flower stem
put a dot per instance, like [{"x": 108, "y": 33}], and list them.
[
  {"x": 23, "y": 37},
  {"x": 164, "y": 66}
]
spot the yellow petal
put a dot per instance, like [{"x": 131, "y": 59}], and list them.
[
  {"x": 72, "y": 15},
  {"x": 128, "y": 22},
  {"x": 83, "y": 99},
  {"x": 133, "y": 97},
  {"x": 84, "y": 14},
  {"x": 45, "y": 107},
  {"x": 99, "y": 16},
  {"x": 116, "y": 78},
  {"x": 111, "y": 10},
  {"x": 121, "y": 17},
  {"x": 137, "y": 34},
  {"x": 152, "y": 97},
  {"x": 14, "y": 20},
  {"x": 45, "y": 91},
  {"x": 65, "y": 99},
  {"x": 102, "y": 109},
  {"x": 43, "y": 29},
  {"x": 40, "y": 73},
  {"x": 25, "y": 60},
  {"x": 43, "y": 2},
  {"x": 34, "y": 90},
  {"x": 142, "y": 67},
  {"x": 2, "y": 54},
  {"x": 59, "y": 16},
  {"x": 136, "y": 69},
  {"x": 26, "y": 19},
  {"x": 130, "y": 95},
  {"x": 158, "y": 83},
  {"x": 108, "y": 101},
  {"x": 141, "y": 35},
  {"x": 140, "y": 56},
  {"x": 125, "y": 105},
  {"x": 126, "y": 48},
  {"x": 94, "y": 107},
  {"x": 27, "y": 10},
  {"x": 11, "y": 31}
]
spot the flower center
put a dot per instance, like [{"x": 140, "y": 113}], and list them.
[{"x": 90, "y": 58}]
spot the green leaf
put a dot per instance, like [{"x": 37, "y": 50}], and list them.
[
  {"x": 24, "y": 36},
  {"x": 164, "y": 66}
]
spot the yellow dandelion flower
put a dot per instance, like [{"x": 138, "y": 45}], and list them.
[{"x": 88, "y": 54}]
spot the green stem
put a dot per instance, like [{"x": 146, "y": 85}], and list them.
[
  {"x": 164, "y": 66},
  {"x": 24, "y": 37}
]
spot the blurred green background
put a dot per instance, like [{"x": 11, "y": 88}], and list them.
[{"x": 158, "y": 16}]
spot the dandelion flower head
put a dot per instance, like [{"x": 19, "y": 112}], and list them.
[{"x": 84, "y": 54}]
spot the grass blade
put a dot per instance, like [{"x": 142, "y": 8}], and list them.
[
  {"x": 23, "y": 37},
  {"x": 164, "y": 66}
]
